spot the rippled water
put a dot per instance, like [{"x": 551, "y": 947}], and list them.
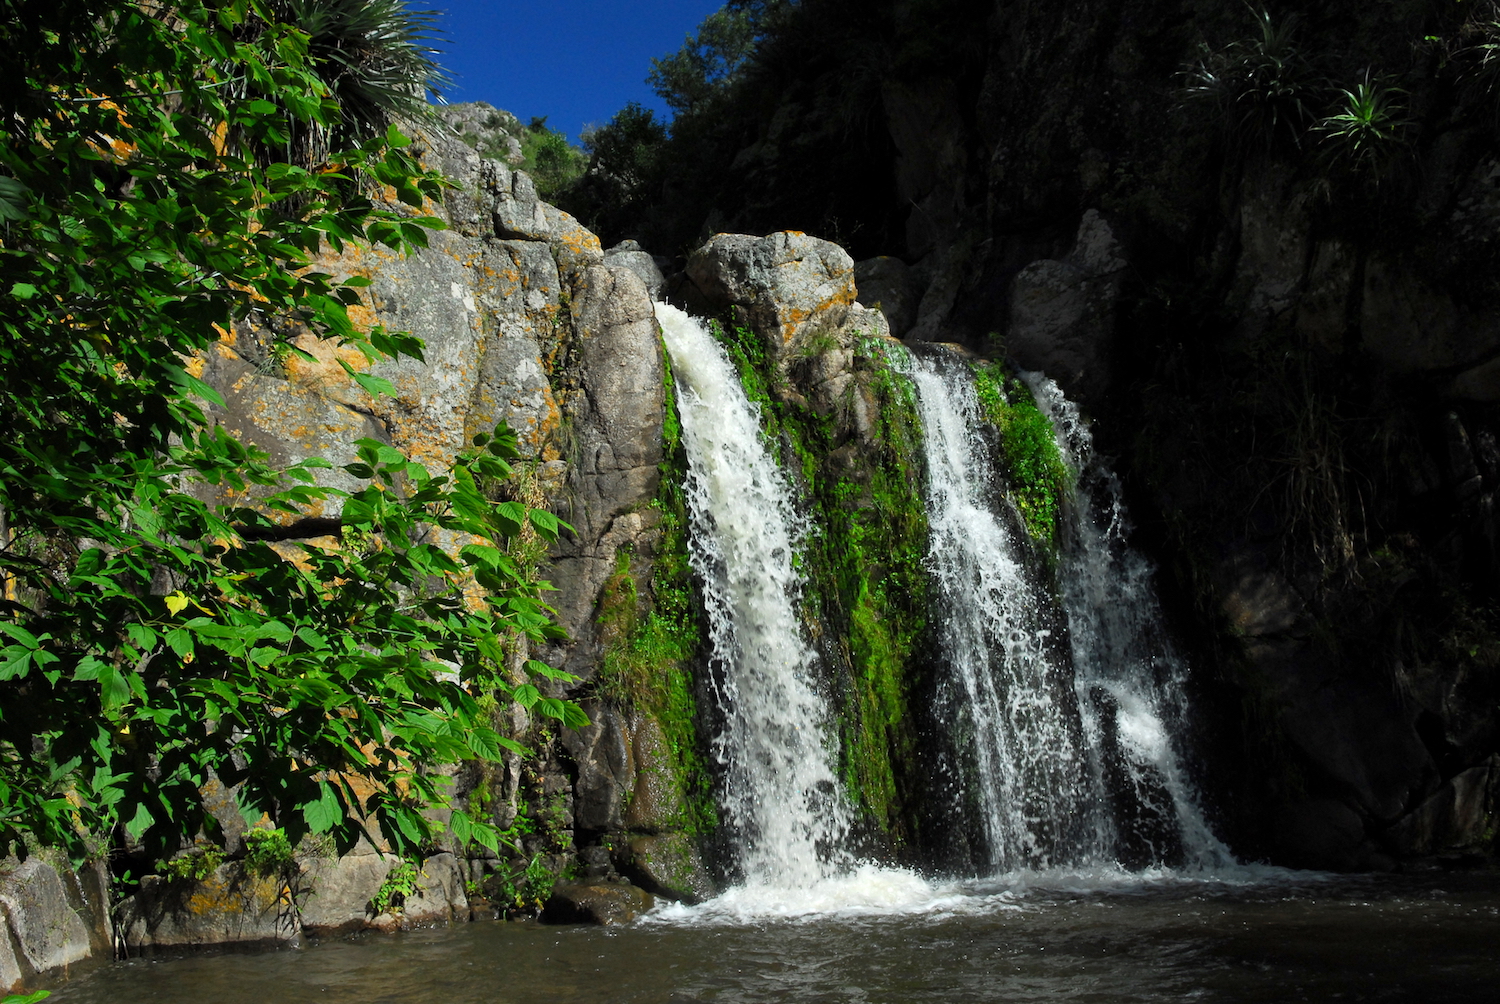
[{"x": 1429, "y": 938}]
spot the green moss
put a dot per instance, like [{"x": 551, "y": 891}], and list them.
[
  {"x": 862, "y": 561},
  {"x": 652, "y": 636},
  {"x": 1036, "y": 476}
]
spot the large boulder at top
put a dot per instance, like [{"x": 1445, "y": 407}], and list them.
[{"x": 789, "y": 284}]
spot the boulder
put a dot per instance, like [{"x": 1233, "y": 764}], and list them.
[
  {"x": 41, "y": 921},
  {"x": 334, "y": 893},
  {"x": 1062, "y": 311},
  {"x": 440, "y": 897},
  {"x": 604, "y": 903},
  {"x": 233, "y": 905},
  {"x": 1325, "y": 834},
  {"x": 628, "y": 254},
  {"x": 789, "y": 284},
  {"x": 667, "y": 864}
]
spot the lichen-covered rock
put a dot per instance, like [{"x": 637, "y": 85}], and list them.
[
  {"x": 790, "y": 285},
  {"x": 233, "y": 905},
  {"x": 440, "y": 897},
  {"x": 604, "y": 903}
]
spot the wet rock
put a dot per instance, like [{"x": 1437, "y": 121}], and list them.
[
  {"x": 606, "y": 768},
  {"x": 1456, "y": 818},
  {"x": 604, "y": 903},
  {"x": 790, "y": 285},
  {"x": 1325, "y": 834},
  {"x": 667, "y": 864},
  {"x": 232, "y": 905},
  {"x": 656, "y": 798},
  {"x": 40, "y": 920}
]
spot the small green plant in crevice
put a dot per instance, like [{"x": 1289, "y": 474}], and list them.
[
  {"x": 402, "y": 881},
  {"x": 1038, "y": 479},
  {"x": 195, "y": 866},
  {"x": 1366, "y": 135},
  {"x": 267, "y": 852}
]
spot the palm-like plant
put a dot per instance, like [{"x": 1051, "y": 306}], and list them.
[
  {"x": 1367, "y": 134},
  {"x": 1260, "y": 86}
]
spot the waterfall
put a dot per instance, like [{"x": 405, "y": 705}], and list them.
[
  {"x": 1065, "y": 713},
  {"x": 781, "y": 797},
  {"x": 1008, "y": 688},
  {"x": 1128, "y": 677}
]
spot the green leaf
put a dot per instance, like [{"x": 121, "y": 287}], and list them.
[
  {"x": 526, "y": 695},
  {"x": 324, "y": 812},
  {"x": 23, "y": 290}
]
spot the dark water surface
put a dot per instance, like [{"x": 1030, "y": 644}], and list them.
[{"x": 1393, "y": 938}]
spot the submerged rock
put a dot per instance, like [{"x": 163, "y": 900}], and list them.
[{"x": 603, "y": 903}]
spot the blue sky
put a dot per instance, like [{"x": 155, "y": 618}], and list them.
[{"x": 576, "y": 62}]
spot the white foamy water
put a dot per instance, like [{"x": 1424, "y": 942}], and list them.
[
  {"x": 1008, "y": 687},
  {"x": 781, "y": 798},
  {"x": 1128, "y": 676}
]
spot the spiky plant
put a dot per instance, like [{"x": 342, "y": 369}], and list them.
[
  {"x": 1261, "y": 87},
  {"x": 1366, "y": 135}
]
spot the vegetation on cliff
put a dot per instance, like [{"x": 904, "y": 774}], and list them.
[{"x": 169, "y": 170}]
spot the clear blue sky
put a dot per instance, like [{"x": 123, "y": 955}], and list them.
[{"x": 576, "y": 62}]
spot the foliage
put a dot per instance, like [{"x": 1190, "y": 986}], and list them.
[
  {"x": 551, "y": 160},
  {"x": 1037, "y": 477},
  {"x": 627, "y": 158},
  {"x": 403, "y": 880},
  {"x": 267, "y": 852},
  {"x": 196, "y": 865},
  {"x": 689, "y": 79},
  {"x": 31, "y": 998},
  {"x": 152, "y": 640},
  {"x": 1262, "y": 87},
  {"x": 1366, "y": 135}
]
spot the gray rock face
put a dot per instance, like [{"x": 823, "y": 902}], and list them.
[
  {"x": 41, "y": 920},
  {"x": 606, "y": 768},
  {"x": 628, "y": 254},
  {"x": 1455, "y": 818},
  {"x": 790, "y": 285},
  {"x": 1062, "y": 312},
  {"x": 334, "y": 893}
]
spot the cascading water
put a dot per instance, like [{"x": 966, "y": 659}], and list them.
[
  {"x": 1128, "y": 677},
  {"x": 1068, "y": 739},
  {"x": 1008, "y": 686},
  {"x": 781, "y": 797}
]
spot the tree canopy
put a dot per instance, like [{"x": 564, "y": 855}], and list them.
[{"x": 153, "y": 192}]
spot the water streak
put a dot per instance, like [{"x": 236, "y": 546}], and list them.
[
  {"x": 781, "y": 797},
  {"x": 1009, "y": 685}
]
